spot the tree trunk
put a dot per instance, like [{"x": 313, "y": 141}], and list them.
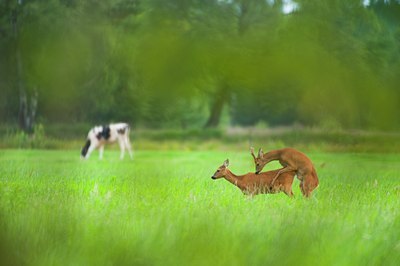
[
  {"x": 243, "y": 11},
  {"x": 27, "y": 110},
  {"x": 23, "y": 101},
  {"x": 220, "y": 98},
  {"x": 27, "y": 101}
]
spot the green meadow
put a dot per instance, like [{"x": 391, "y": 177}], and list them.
[
  {"x": 198, "y": 82},
  {"x": 163, "y": 208}
]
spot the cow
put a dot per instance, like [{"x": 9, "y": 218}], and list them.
[{"x": 98, "y": 136}]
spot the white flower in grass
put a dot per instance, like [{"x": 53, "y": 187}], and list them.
[
  {"x": 108, "y": 195},
  {"x": 95, "y": 191}
]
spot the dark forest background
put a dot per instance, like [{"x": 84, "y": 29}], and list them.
[{"x": 194, "y": 63}]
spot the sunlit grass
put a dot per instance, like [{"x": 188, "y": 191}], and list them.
[{"x": 163, "y": 208}]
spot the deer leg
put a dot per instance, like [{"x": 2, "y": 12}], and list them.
[
  {"x": 302, "y": 188},
  {"x": 289, "y": 192},
  {"x": 284, "y": 170},
  {"x": 307, "y": 193},
  {"x": 308, "y": 185},
  {"x": 307, "y": 190},
  {"x": 248, "y": 194}
]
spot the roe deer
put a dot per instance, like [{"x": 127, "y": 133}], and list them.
[
  {"x": 291, "y": 160},
  {"x": 253, "y": 184}
]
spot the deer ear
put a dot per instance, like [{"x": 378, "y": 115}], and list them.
[
  {"x": 226, "y": 163},
  {"x": 252, "y": 152},
  {"x": 260, "y": 153}
]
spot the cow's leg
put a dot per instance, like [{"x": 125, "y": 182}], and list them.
[
  {"x": 122, "y": 147},
  {"x": 90, "y": 150},
  {"x": 101, "y": 151},
  {"x": 128, "y": 146}
]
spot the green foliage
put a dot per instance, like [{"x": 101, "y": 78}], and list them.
[
  {"x": 164, "y": 209},
  {"x": 19, "y": 139},
  {"x": 140, "y": 60}
]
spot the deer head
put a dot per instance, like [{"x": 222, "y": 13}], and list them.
[
  {"x": 258, "y": 161},
  {"x": 221, "y": 171}
]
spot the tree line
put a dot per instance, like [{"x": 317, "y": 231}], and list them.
[{"x": 187, "y": 63}]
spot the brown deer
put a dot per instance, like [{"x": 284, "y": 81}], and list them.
[
  {"x": 253, "y": 184},
  {"x": 291, "y": 160}
]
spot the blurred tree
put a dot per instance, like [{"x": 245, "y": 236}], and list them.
[
  {"x": 12, "y": 15},
  {"x": 340, "y": 34},
  {"x": 178, "y": 63},
  {"x": 237, "y": 27},
  {"x": 8, "y": 99}
]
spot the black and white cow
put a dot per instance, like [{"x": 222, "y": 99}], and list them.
[{"x": 100, "y": 135}]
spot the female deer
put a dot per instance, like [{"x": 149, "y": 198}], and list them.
[{"x": 253, "y": 184}]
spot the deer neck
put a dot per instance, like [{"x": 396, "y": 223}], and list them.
[
  {"x": 272, "y": 156},
  {"x": 234, "y": 179}
]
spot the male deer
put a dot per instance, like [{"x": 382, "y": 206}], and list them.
[
  {"x": 253, "y": 184},
  {"x": 291, "y": 160}
]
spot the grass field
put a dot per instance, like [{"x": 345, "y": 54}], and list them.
[{"x": 163, "y": 208}]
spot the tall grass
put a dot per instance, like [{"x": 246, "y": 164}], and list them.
[{"x": 163, "y": 208}]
